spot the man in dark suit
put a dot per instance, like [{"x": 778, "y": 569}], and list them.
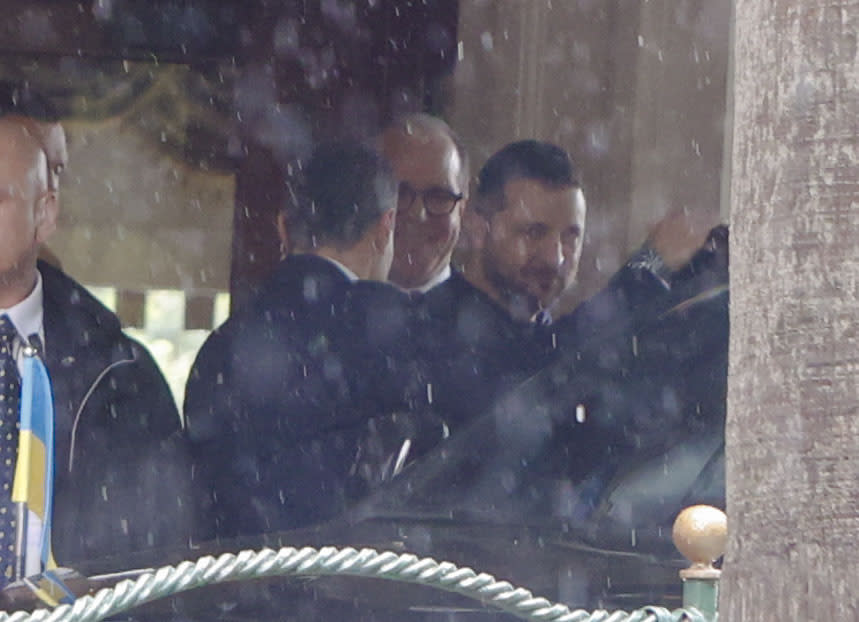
[
  {"x": 569, "y": 395},
  {"x": 289, "y": 403},
  {"x": 525, "y": 228},
  {"x": 119, "y": 474},
  {"x": 431, "y": 166}
]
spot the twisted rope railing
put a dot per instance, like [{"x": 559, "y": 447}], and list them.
[{"x": 327, "y": 561}]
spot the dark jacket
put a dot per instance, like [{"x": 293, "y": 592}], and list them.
[
  {"x": 120, "y": 469},
  {"x": 656, "y": 359},
  {"x": 554, "y": 416},
  {"x": 651, "y": 384},
  {"x": 646, "y": 365},
  {"x": 473, "y": 350},
  {"x": 674, "y": 398},
  {"x": 299, "y": 403}
]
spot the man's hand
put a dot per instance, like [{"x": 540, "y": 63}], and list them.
[{"x": 679, "y": 235}]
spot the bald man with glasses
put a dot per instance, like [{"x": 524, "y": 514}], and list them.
[{"x": 431, "y": 166}]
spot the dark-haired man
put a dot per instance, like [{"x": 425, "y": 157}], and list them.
[
  {"x": 287, "y": 401},
  {"x": 526, "y": 227},
  {"x": 629, "y": 364}
]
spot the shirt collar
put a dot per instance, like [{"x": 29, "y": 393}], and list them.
[
  {"x": 346, "y": 271},
  {"x": 438, "y": 279},
  {"x": 27, "y": 314}
]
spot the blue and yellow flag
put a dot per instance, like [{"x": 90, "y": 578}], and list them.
[{"x": 34, "y": 470}]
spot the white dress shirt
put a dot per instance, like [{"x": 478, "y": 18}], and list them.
[
  {"x": 343, "y": 268},
  {"x": 438, "y": 279}
]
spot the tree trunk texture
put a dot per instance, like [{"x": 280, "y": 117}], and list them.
[{"x": 793, "y": 422}]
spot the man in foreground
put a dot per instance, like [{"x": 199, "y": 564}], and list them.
[
  {"x": 118, "y": 471},
  {"x": 526, "y": 228}
]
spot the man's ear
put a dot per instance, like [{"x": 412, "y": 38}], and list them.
[
  {"x": 283, "y": 232},
  {"x": 47, "y": 211},
  {"x": 385, "y": 228},
  {"x": 475, "y": 226}
]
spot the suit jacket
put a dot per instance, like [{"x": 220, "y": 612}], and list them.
[
  {"x": 121, "y": 471},
  {"x": 299, "y": 403},
  {"x": 474, "y": 348}
]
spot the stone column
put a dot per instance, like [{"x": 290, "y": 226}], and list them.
[{"x": 793, "y": 398}]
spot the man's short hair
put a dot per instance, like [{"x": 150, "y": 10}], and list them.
[
  {"x": 428, "y": 123},
  {"x": 18, "y": 98},
  {"x": 524, "y": 159},
  {"x": 347, "y": 188}
]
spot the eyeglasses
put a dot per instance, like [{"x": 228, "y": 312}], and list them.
[{"x": 437, "y": 201}]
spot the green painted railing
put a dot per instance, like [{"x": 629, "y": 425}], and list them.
[{"x": 699, "y": 534}]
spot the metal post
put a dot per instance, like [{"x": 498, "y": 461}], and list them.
[{"x": 702, "y": 594}]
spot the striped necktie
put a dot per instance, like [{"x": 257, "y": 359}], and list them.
[{"x": 10, "y": 398}]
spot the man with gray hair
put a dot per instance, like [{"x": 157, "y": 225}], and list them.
[{"x": 431, "y": 166}]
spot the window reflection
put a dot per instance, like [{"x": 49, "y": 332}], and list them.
[{"x": 190, "y": 127}]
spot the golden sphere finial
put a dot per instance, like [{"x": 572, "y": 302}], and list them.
[{"x": 700, "y": 533}]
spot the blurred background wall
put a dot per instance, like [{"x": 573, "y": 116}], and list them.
[
  {"x": 634, "y": 90},
  {"x": 188, "y": 119}
]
